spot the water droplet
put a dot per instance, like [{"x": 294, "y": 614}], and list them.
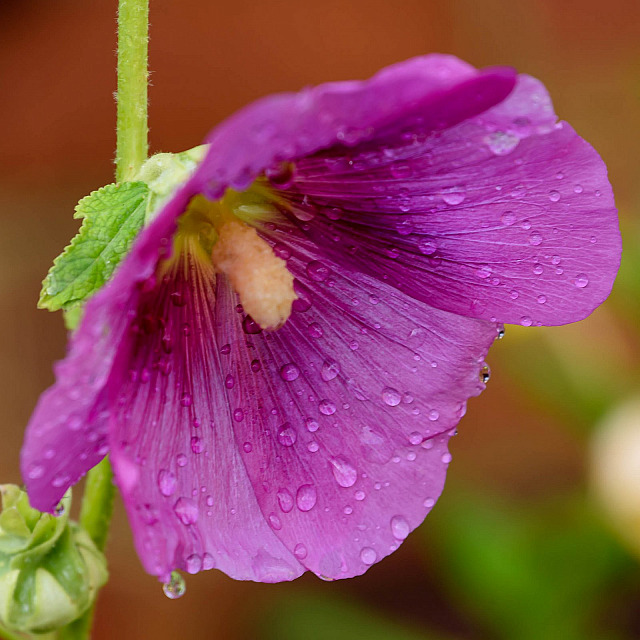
[
  {"x": 526, "y": 321},
  {"x": 306, "y": 497},
  {"x": 300, "y": 551},
  {"x": 415, "y": 438},
  {"x": 248, "y": 447},
  {"x": 344, "y": 473},
  {"x": 427, "y": 246},
  {"x": 36, "y": 471},
  {"x": 484, "y": 271},
  {"x": 501, "y": 143},
  {"x": 281, "y": 251},
  {"x": 281, "y": 176},
  {"x": 186, "y": 399},
  {"x": 326, "y": 407},
  {"x": 508, "y": 218},
  {"x": 229, "y": 381},
  {"x": 391, "y": 397},
  {"x": 541, "y": 299},
  {"x": 578, "y": 188},
  {"x": 255, "y": 366},
  {"x": 181, "y": 459},
  {"x": 429, "y": 502},
  {"x": 535, "y": 239},
  {"x": 238, "y": 415},
  {"x": 359, "y": 495},
  {"x": 454, "y": 196},
  {"x": 196, "y": 444},
  {"x": 312, "y": 425},
  {"x": 514, "y": 295},
  {"x": 554, "y": 195},
  {"x": 287, "y": 435},
  {"x": 176, "y": 587},
  {"x": 434, "y": 414},
  {"x": 500, "y": 330},
  {"x": 581, "y": 280},
  {"x": 317, "y": 271},
  {"x": 285, "y": 500},
  {"x": 193, "y": 563},
  {"x": 400, "y": 527},
  {"x": 187, "y": 510},
  {"x": 485, "y": 374},
  {"x": 538, "y": 269},
  {"x": 274, "y": 522},
  {"x": 368, "y": 555},
  {"x": 314, "y": 330},
  {"x": 446, "y": 458},
  {"x": 313, "y": 446},
  {"x": 330, "y": 370},
  {"x": 225, "y": 349},
  {"x": 289, "y": 372},
  {"x": 250, "y": 326},
  {"x": 208, "y": 562},
  {"x": 166, "y": 482}
]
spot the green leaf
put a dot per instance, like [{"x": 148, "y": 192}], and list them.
[{"x": 111, "y": 218}]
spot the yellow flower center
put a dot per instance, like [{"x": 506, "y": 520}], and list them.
[{"x": 226, "y": 234}]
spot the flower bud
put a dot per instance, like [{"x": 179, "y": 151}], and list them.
[{"x": 50, "y": 570}]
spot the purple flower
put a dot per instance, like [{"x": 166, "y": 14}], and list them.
[{"x": 280, "y": 401}]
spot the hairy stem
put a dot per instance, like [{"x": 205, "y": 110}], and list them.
[{"x": 132, "y": 131}]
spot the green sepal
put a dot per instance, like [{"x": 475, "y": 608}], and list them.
[{"x": 111, "y": 218}]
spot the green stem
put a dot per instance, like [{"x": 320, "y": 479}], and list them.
[
  {"x": 132, "y": 147},
  {"x": 133, "y": 39}
]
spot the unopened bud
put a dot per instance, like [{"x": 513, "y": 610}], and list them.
[{"x": 50, "y": 570}]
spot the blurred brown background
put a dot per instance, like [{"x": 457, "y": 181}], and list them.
[{"x": 520, "y": 440}]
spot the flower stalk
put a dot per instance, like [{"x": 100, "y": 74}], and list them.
[{"x": 132, "y": 148}]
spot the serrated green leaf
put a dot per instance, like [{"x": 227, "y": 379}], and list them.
[{"x": 111, "y": 218}]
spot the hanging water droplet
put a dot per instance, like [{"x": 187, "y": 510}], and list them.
[
  {"x": 526, "y": 321},
  {"x": 176, "y": 587},
  {"x": 501, "y": 331},
  {"x": 485, "y": 374}
]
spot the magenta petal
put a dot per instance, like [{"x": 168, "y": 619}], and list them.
[
  {"x": 189, "y": 500},
  {"x": 344, "y": 414},
  {"x": 506, "y": 216},
  {"x": 429, "y": 92}
]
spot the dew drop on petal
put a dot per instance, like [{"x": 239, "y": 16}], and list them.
[
  {"x": 454, "y": 196},
  {"x": 289, "y": 372},
  {"x": 526, "y": 321},
  {"x": 391, "y": 397},
  {"x": 193, "y": 563},
  {"x": 326, "y": 407},
  {"x": 208, "y": 562},
  {"x": 314, "y": 330},
  {"x": 306, "y": 497},
  {"x": 400, "y": 527},
  {"x": 181, "y": 460},
  {"x": 255, "y": 366},
  {"x": 285, "y": 500},
  {"x": 247, "y": 447},
  {"x": 368, "y": 555},
  {"x": 508, "y": 218},
  {"x": 427, "y": 246},
  {"x": 554, "y": 195},
  {"x": 330, "y": 370},
  {"x": 311, "y": 424},
  {"x": 446, "y": 458},
  {"x": 274, "y": 522},
  {"x": 581, "y": 280},
  {"x": 196, "y": 444},
  {"x": 429, "y": 502},
  {"x": 176, "y": 587},
  {"x": 287, "y": 435},
  {"x": 415, "y": 437},
  {"x": 166, "y": 482},
  {"x": 343, "y": 471},
  {"x": 317, "y": 271},
  {"x": 300, "y": 551},
  {"x": 187, "y": 510}
]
